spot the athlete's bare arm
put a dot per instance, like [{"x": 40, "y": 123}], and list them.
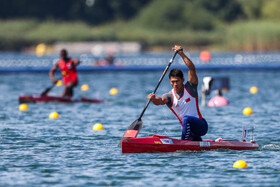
[
  {"x": 192, "y": 72},
  {"x": 157, "y": 100},
  {"x": 75, "y": 61},
  {"x": 51, "y": 73}
]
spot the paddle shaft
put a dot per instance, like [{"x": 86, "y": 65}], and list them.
[
  {"x": 135, "y": 127},
  {"x": 48, "y": 89},
  {"x": 162, "y": 76}
]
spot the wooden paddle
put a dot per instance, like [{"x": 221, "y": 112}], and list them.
[
  {"x": 135, "y": 127},
  {"x": 48, "y": 89}
]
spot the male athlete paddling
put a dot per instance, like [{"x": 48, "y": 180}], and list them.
[
  {"x": 182, "y": 100},
  {"x": 69, "y": 73}
]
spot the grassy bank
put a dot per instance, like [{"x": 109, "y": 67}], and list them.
[
  {"x": 253, "y": 36},
  {"x": 248, "y": 36}
]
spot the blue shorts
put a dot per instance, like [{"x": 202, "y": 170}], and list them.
[{"x": 193, "y": 128}]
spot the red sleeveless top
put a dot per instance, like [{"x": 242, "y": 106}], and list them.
[{"x": 68, "y": 71}]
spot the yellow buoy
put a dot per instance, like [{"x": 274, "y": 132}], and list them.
[
  {"x": 114, "y": 91},
  {"x": 253, "y": 90},
  {"x": 247, "y": 111},
  {"x": 84, "y": 87},
  {"x": 41, "y": 50},
  {"x": 97, "y": 126},
  {"x": 58, "y": 83},
  {"x": 240, "y": 164},
  {"x": 53, "y": 115},
  {"x": 23, "y": 107}
]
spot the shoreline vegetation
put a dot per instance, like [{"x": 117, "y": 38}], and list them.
[
  {"x": 258, "y": 35},
  {"x": 216, "y": 25}
]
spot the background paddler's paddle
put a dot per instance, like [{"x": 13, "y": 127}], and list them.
[
  {"x": 48, "y": 89},
  {"x": 135, "y": 127}
]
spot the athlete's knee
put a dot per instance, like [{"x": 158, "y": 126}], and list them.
[
  {"x": 203, "y": 129},
  {"x": 69, "y": 85}
]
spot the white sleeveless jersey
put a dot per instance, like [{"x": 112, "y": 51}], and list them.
[{"x": 186, "y": 105}]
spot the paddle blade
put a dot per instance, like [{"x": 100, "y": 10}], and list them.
[{"x": 132, "y": 130}]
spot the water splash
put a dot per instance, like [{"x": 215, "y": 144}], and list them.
[{"x": 274, "y": 147}]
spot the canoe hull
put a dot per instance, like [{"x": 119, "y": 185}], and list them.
[
  {"x": 158, "y": 143},
  {"x": 45, "y": 98}
]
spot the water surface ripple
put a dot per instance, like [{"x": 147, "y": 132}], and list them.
[{"x": 38, "y": 151}]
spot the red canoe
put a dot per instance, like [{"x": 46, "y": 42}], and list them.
[
  {"x": 159, "y": 143},
  {"x": 46, "y": 98}
]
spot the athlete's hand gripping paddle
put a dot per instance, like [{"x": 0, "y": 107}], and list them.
[{"x": 135, "y": 127}]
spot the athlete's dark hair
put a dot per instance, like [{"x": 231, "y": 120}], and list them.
[
  {"x": 63, "y": 53},
  {"x": 176, "y": 73}
]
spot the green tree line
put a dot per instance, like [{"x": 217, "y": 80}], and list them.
[
  {"x": 196, "y": 14},
  {"x": 90, "y": 11},
  {"x": 152, "y": 22}
]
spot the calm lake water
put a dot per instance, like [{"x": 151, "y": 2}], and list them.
[{"x": 38, "y": 151}]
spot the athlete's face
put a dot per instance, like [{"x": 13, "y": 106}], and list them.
[
  {"x": 63, "y": 54},
  {"x": 177, "y": 83}
]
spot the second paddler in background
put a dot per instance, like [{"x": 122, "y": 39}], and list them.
[{"x": 69, "y": 73}]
